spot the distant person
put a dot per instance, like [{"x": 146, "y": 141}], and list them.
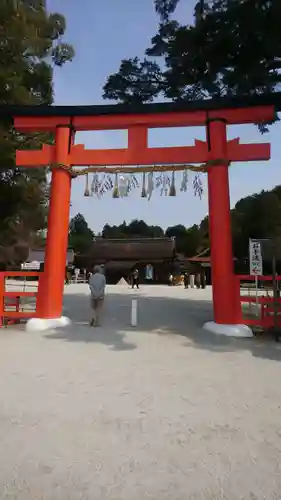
[
  {"x": 192, "y": 280},
  {"x": 97, "y": 285},
  {"x": 171, "y": 278},
  {"x": 66, "y": 278},
  {"x": 76, "y": 273},
  {"x": 135, "y": 278},
  {"x": 198, "y": 280},
  {"x": 203, "y": 280},
  {"x": 186, "y": 280}
]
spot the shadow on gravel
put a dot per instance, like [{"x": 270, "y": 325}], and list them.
[
  {"x": 159, "y": 316},
  {"x": 79, "y": 332}
]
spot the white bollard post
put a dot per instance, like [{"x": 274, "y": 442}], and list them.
[{"x": 134, "y": 313}]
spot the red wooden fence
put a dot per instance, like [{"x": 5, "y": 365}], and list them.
[
  {"x": 14, "y": 316},
  {"x": 264, "y": 303}
]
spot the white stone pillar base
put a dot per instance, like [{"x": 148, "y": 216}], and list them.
[
  {"x": 228, "y": 330},
  {"x": 43, "y": 324}
]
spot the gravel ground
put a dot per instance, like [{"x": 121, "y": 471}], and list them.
[{"x": 161, "y": 411}]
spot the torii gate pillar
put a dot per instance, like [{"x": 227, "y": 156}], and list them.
[
  {"x": 220, "y": 226},
  {"x": 51, "y": 285},
  {"x": 224, "y": 298}
]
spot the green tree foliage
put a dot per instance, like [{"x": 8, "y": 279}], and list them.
[
  {"x": 136, "y": 229},
  {"x": 256, "y": 216},
  {"x": 165, "y": 8},
  {"x": 80, "y": 235},
  {"x": 232, "y": 47},
  {"x": 31, "y": 44},
  {"x": 187, "y": 240}
]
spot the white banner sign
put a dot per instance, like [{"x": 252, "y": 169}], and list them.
[
  {"x": 149, "y": 272},
  {"x": 33, "y": 266},
  {"x": 255, "y": 255}
]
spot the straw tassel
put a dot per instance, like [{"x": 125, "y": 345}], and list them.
[
  {"x": 173, "y": 186},
  {"x": 87, "y": 190},
  {"x": 150, "y": 185},
  {"x": 184, "y": 182},
  {"x": 115, "y": 193},
  {"x": 143, "y": 191}
]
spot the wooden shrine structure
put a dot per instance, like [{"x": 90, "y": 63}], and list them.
[{"x": 121, "y": 255}]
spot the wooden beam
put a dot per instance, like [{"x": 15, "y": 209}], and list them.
[
  {"x": 114, "y": 122},
  {"x": 137, "y": 138},
  {"x": 149, "y": 120},
  {"x": 138, "y": 154},
  {"x": 40, "y": 123},
  {"x": 271, "y": 99},
  {"x": 35, "y": 158},
  {"x": 149, "y": 156},
  {"x": 247, "y": 152},
  {"x": 119, "y": 122},
  {"x": 236, "y": 116}
]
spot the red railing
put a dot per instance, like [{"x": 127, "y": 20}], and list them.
[
  {"x": 13, "y": 316},
  {"x": 264, "y": 309}
]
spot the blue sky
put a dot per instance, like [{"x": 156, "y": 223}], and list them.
[{"x": 103, "y": 33}]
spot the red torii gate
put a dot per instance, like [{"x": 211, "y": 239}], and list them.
[{"x": 216, "y": 152}]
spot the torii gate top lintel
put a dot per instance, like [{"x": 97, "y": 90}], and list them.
[
  {"x": 257, "y": 109},
  {"x": 205, "y": 105}
]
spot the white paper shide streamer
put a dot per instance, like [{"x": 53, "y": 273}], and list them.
[{"x": 121, "y": 184}]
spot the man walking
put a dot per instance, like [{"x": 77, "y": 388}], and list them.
[
  {"x": 76, "y": 273},
  {"x": 135, "y": 278},
  {"x": 186, "y": 280},
  {"x": 97, "y": 283}
]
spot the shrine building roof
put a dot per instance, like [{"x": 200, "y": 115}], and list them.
[{"x": 107, "y": 249}]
